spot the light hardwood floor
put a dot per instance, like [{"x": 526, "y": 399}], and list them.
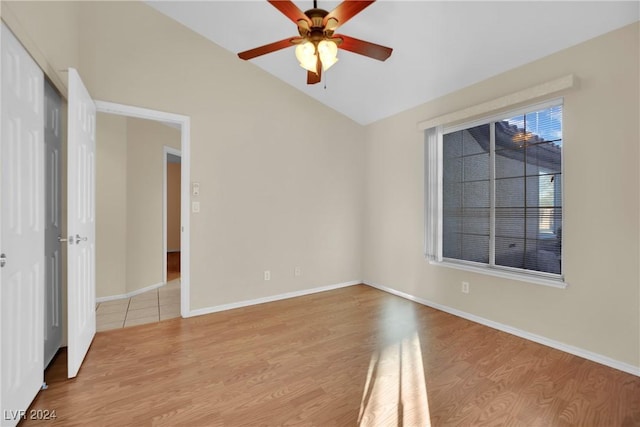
[{"x": 353, "y": 356}]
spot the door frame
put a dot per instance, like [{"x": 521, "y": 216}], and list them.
[
  {"x": 165, "y": 156},
  {"x": 185, "y": 172}
]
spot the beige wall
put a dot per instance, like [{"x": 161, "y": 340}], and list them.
[
  {"x": 600, "y": 310},
  {"x": 146, "y": 140},
  {"x": 281, "y": 175},
  {"x": 111, "y": 205},
  {"x": 173, "y": 206}
]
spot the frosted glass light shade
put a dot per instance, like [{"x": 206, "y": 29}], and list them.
[
  {"x": 306, "y": 55},
  {"x": 328, "y": 52}
]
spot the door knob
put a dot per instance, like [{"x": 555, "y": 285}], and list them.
[
  {"x": 80, "y": 239},
  {"x": 3, "y": 260}
]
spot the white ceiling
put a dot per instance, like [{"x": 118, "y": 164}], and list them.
[{"x": 439, "y": 46}]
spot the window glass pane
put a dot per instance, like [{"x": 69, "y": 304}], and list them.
[
  {"x": 545, "y": 125},
  {"x": 452, "y": 145},
  {"x": 542, "y": 222},
  {"x": 476, "y": 194},
  {"x": 546, "y": 190},
  {"x": 466, "y": 194},
  {"x": 543, "y": 158},
  {"x": 510, "y": 133},
  {"x": 476, "y": 140},
  {"x": 476, "y": 167},
  {"x": 510, "y": 222},
  {"x": 528, "y": 192},
  {"x": 451, "y": 236},
  {"x": 543, "y": 255},
  {"x": 476, "y": 221},
  {"x": 510, "y": 193},
  {"x": 453, "y": 172},
  {"x": 510, "y": 163},
  {"x": 475, "y": 248},
  {"x": 510, "y": 252}
]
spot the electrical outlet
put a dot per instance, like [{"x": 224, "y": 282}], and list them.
[
  {"x": 267, "y": 275},
  {"x": 297, "y": 271},
  {"x": 465, "y": 287}
]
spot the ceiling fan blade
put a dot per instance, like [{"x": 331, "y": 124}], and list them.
[
  {"x": 362, "y": 47},
  {"x": 268, "y": 48},
  {"x": 345, "y": 11},
  {"x": 313, "y": 78},
  {"x": 290, "y": 10}
]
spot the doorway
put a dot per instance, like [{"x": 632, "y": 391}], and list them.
[
  {"x": 134, "y": 215},
  {"x": 184, "y": 123}
]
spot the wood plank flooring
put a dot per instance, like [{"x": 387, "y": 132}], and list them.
[{"x": 353, "y": 356}]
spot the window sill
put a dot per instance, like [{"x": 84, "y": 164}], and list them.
[{"x": 527, "y": 278}]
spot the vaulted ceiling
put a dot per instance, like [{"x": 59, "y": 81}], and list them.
[{"x": 439, "y": 46}]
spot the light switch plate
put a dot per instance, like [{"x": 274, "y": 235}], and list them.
[{"x": 195, "y": 207}]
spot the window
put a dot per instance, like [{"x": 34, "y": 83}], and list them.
[{"x": 494, "y": 193}]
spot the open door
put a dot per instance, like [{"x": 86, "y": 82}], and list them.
[
  {"x": 81, "y": 223},
  {"x": 22, "y": 265}
]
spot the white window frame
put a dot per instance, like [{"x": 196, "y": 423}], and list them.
[{"x": 433, "y": 202}]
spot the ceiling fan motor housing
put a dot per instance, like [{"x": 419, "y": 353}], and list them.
[{"x": 317, "y": 31}]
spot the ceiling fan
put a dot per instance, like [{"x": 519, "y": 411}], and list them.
[{"x": 317, "y": 45}]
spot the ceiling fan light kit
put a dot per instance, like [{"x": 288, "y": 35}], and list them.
[
  {"x": 327, "y": 51},
  {"x": 317, "y": 46}
]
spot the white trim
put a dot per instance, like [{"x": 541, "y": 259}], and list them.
[
  {"x": 130, "y": 294},
  {"x": 519, "y": 275},
  {"x": 504, "y": 115},
  {"x": 526, "y": 95},
  {"x": 576, "y": 351},
  {"x": 185, "y": 175},
  {"x": 246, "y": 303},
  {"x": 165, "y": 159}
]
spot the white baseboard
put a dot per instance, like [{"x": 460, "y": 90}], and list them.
[
  {"x": 576, "y": 351},
  {"x": 246, "y": 303},
  {"x": 130, "y": 294}
]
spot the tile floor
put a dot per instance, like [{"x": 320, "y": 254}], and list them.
[{"x": 152, "y": 306}]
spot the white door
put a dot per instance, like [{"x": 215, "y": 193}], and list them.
[
  {"x": 81, "y": 223},
  {"x": 21, "y": 229},
  {"x": 52, "y": 293}
]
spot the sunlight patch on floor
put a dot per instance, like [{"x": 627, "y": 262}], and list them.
[{"x": 395, "y": 392}]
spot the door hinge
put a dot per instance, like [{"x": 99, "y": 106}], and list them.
[{"x": 3, "y": 260}]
